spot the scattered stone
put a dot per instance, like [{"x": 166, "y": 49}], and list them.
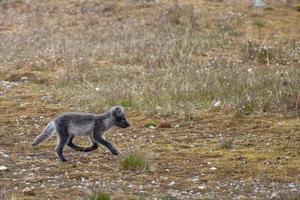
[
  {"x": 3, "y": 168},
  {"x": 202, "y": 187},
  {"x": 177, "y": 126},
  {"x": 258, "y": 3},
  {"x": 273, "y": 195},
  {"x": 217, "y": 103},
  {"x": 152, "y": 127},
  {"x": 97, "y": 89},
  {"x": 158, "y": 107},
  {"x": 24, "y": 78},
  {"x": 172, "y": 183},
  {"x": 195, "y": 179},
  {"x": 30, "y": 191},
  {"x": 165, "y": 125},
  {"x": 84, "y": 160},
  {"x": 4, "y": 155},
  {"x": 213, "y": 168}
]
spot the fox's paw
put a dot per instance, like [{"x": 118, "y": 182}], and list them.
[
  {"x": 63, "y": 160},
  {"x": 115, "y": 152}
]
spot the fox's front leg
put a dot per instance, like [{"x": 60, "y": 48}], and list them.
[{"x": 106, "y": 143}]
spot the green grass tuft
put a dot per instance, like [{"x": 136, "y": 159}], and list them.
[
  {"x": 227, "y": 143},
  {"x": 248, "y": 108},
  {"x": 126, "y": 103},
  {"x": 259, "y": 23},
  {"x": 269, "y": 8},
  {"x": 135, "y": 162},
  {"x": 297, "y": 7},
  {"x": 149, "y": 123},
  {"x": 99, "y": 196}
]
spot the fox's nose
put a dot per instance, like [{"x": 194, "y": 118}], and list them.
[{"x": 127, "y": 124}]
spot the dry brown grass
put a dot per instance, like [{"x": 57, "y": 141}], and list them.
[{"x": 155, "y": 61}]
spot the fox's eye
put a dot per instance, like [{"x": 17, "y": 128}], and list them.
[{"x": 119, "y": 118}]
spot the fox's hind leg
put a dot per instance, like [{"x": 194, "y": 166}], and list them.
[
  {"x": 74, "y": 146},
  {"x": 63, "y": 138},
  {"x": 84, "y": 149},
  {"x": 93, "y": 147}
]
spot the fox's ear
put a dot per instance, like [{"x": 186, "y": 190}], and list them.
[{"x": 117, "y": 111}]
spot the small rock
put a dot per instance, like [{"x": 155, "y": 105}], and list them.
[
  {"x": 158, "y": 108},
  {"x": 250, "y": 70},
  {"x": 3, "y": 168},
  {"x": 24, "y": 78},
  {"x": 152, "y": 127},
  {"x": 213, "y": 168},
  {"x": 4, "y": 155},
  {"x": 201, "y": 187},
  {"x": 217, "y": 103},
  {"x": 97, "y": 89},
  {"x": 30, "y": 191},
  {"x": 177, "y": 126},
  {"x": 258, "y": 3},
  {"x": 165, "y": 125},
  {"x": 195, "y": 179},
  {"x": 273, "y": 195},
  {"x": 84, "y": 160},
  {"x": 172, "y": 183}
]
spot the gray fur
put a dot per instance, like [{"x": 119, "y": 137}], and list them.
[
  {"x": 46, "y": 133},
  {"x": 94, "y": 126},
  {"x": 81, "y": 129}
]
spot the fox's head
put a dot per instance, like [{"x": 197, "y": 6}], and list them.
[{"x": 119, "y": 118}]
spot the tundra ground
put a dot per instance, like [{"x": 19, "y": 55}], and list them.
[{"x": 211, "y": 70}]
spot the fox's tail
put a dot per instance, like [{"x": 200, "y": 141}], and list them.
[{"x": 47, "y": 132}]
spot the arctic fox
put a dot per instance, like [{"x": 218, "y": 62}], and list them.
[{"x": 69, "y": 125}]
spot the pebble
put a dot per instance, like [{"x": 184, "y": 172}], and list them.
[
  {"x": 273, "y": 195},
  {"x": 30, "y": 191},
  {"x": 97, "y": 89},
  {"x": 201, "y": 187},
  {"x": 3, "y": 168},
  {"x": 165, "y": 125},
  {"x": 217, "y": 103},
  {"x": 4, "y": 155},
  {"x": 172, "y": 183}
]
